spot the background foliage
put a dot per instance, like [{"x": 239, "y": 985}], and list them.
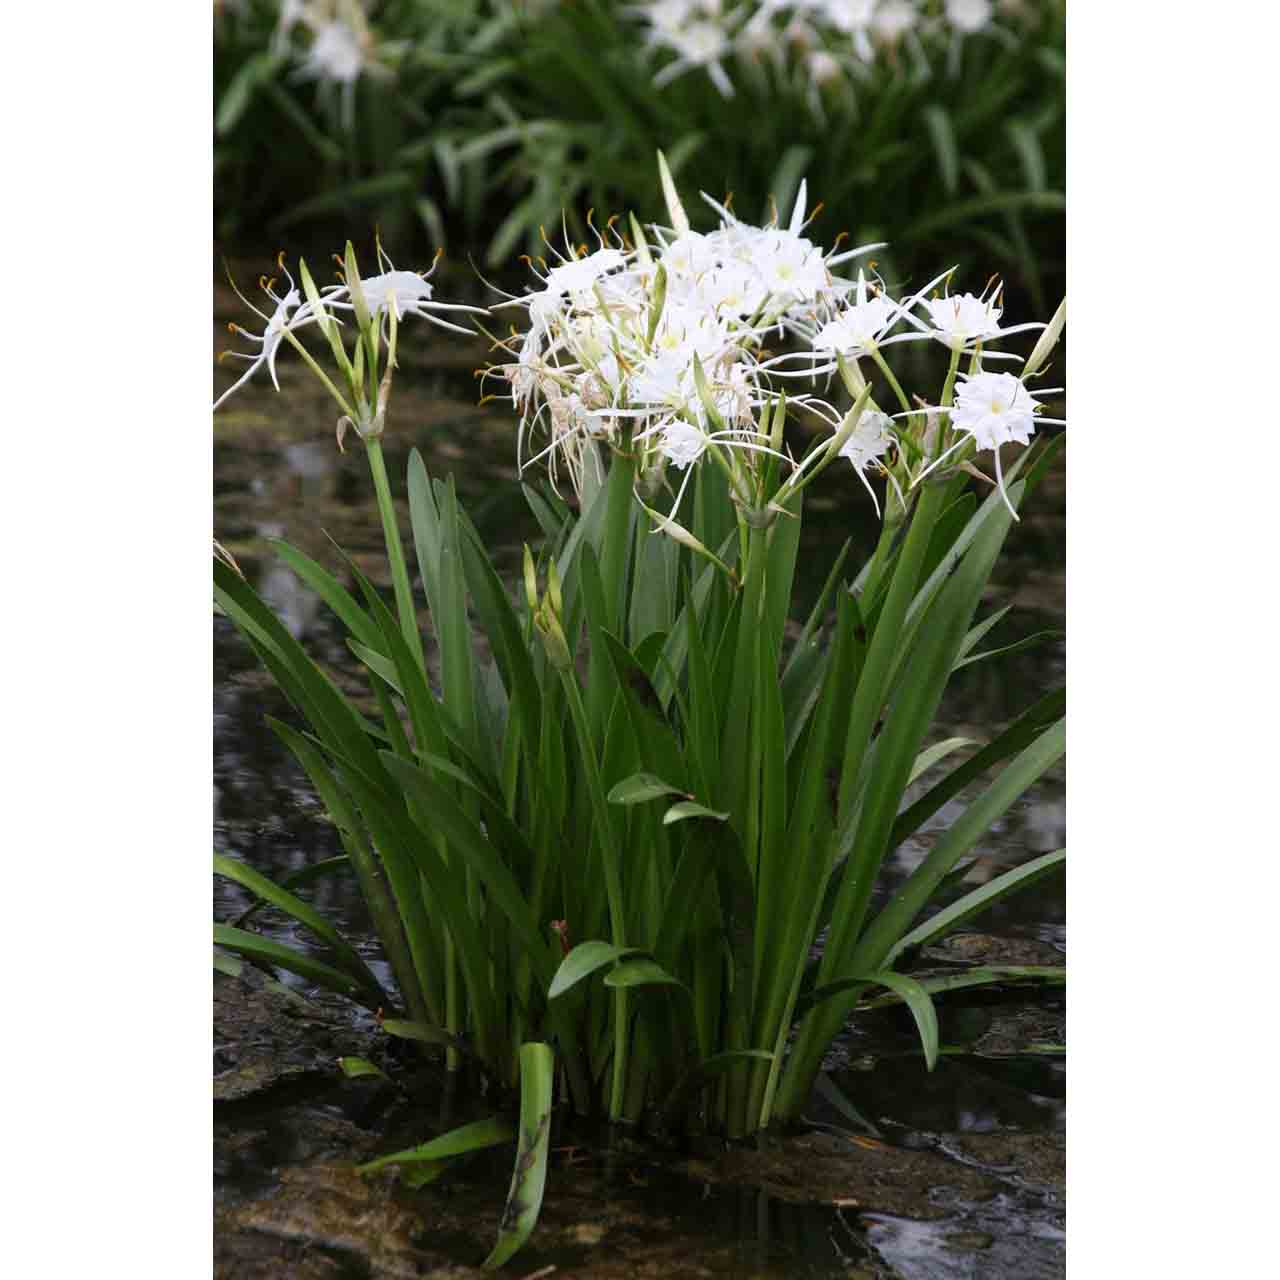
[{"x": 476, "y": 122}]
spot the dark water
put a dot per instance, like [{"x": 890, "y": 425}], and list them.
[{"x": 278, "y": 474}]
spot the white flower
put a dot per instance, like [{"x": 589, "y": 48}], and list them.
[
  {"x": 407, "y": 293},
  {"x": 893, "y": 19},
  {"x": 269, "y": 339},
  {"x": 792, "y": 268},
  {"x": 823, "y": 68},
  {"x": 852, "y": 18},
  {"x": 870, "y": 439},
  {"x": 961, "y": 319},
  {"x": 578, "y": 274},
  {"x": 995, "y": 409},
  {"x": 700, "y": 43},
  {"x": 681, "y": 443},
  {"x": 857, "y": 329},
  {"x": 335, "y": 54},
  {"x": 968, "y": 15}
]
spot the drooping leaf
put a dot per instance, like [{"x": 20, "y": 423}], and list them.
[
  {"x": 583, "y": 961},
  {"x": 529, "y": 1178}
]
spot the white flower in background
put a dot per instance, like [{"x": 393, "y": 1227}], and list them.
[
  {"x": 823, "y": 68},
  {"x": 995, "y": 409},
  {"x": 701, "y": 43},
  {"x": 291, "y": 13},
  {"x": 893, "y": 19},
  {"x": 335, "y": 54},
  {"x": 968, "y": 16},
  {"x": 853, "y": 19}
]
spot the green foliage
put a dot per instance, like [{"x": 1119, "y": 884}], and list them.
[
  {"x": 539, "y": 109},
  {"x": 556, "y": 808}
]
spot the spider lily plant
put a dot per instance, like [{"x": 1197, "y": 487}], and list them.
[{"x": 624, "y": 834}]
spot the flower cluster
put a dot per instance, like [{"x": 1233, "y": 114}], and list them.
[
  {"x": 654, "y": 345},
  {"x": 657, "y": 346},
  {"x": 829, "y": 38},
  {"x": 377, "y": 303},
  {"x": 658, "y": 343}
]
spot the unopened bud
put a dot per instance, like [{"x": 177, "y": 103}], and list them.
[{"x": 1048, "y": 340}]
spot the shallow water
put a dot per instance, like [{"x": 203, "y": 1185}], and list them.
[{"x": 278, "y": 474}]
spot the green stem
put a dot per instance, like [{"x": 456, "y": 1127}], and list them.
[
  {"x": 395, "y": 550},
  {"x": 893, "y": 382},
  {"x": 948, "y": 392}
]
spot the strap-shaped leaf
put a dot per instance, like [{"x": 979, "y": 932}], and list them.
[
  {"x": 529, "y": 1178},
  {"x": 303, "y": 912},
  {"x": 978, "y": 901},
  {"x": 921, "y": 1005},
  {"x": 468, "y": 1137},
  {"x": 323, "y": 975}
]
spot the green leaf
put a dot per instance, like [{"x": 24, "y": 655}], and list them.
[
  {"x": 339, "y": 199},
  {"x": 640, "y": 973},
  {"x": 921, "y": 1006},
  {"x": 895, "y": 918},
  {"x": 304, "y": 875},
  {"x": 1027, "y": 145},
  {"x": 583, "y": 961},
  {"x": 260, "y": 948},
  {"x": 987, "y": 975},
  {"x": 468, "y": 1137},
  {"x": 360, "y": 1068},
  {"x": 944, "y": 146},
  {"x": 690, "y": 809},
  {"x": 973, "y": 904},
  {"x": 640, "y": 787},
  {"x": 928, "y": 758},
  {"x": 303, "y": 912},
  {"x": 529, "y": 1178},
  {"x": 1027, "y": 642},
  {"x": 422, "y": 1032}
]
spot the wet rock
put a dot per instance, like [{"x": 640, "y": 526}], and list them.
[
  {"x": 328, "y": 1216},
  {"x": 265, "y": 1035},
  {"x": 1034, "y": 1159},
  {"x": 849, "y": 1172},
  {"x": 985, "y": 948}
]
